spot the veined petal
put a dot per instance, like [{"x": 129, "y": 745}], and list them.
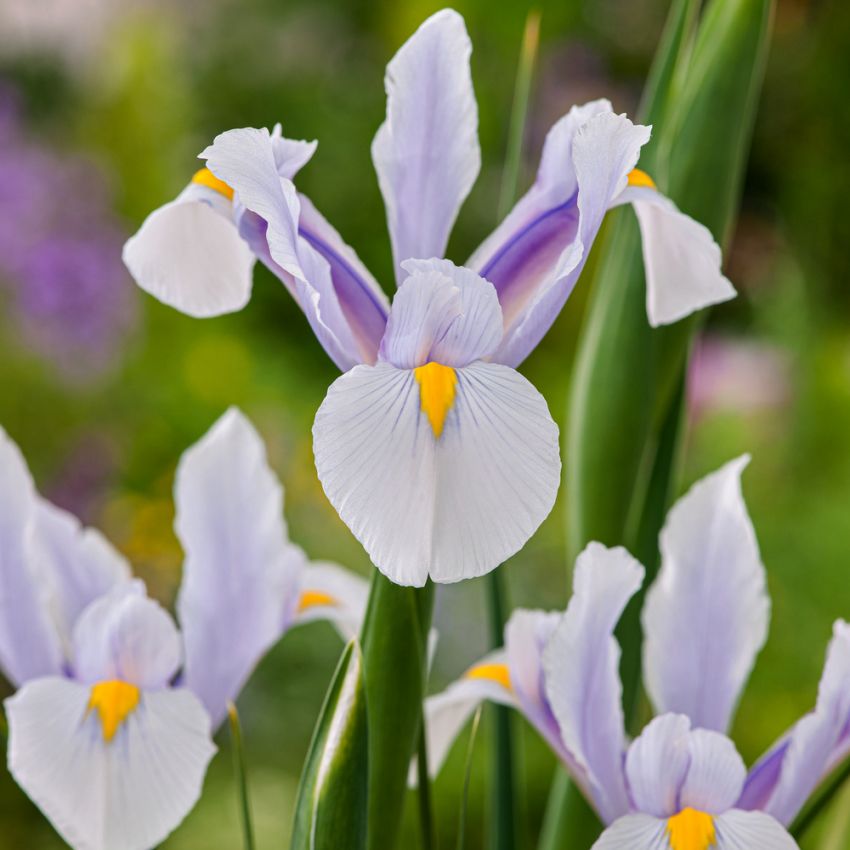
[
  {"x": 241, "y": 575},
  {"x": 808, "y": 753},
  {"x": 80, "y": 564},
  {"x": 245, "y": 160},
  {"x": 426, "y": 152},
  {"x": 442, "y": 314},
  {"x": 581, "y": 663},
  {"x": 716, "y": 773},
  {"x": 604, "y": 150},
  {"x": 733, "y": 830},
  {"x": 124, "y": 635},
  {"x": 330, "y": 592},
  {"x": 706, "y": 616},
  {"x": 189, "y": 255},
  {"x": 522, "y": 252},
  {"x": 447, "y": 713},
  {"x": 680, "y": 257},
  {"x": 125, "y": 794},
  {"x": 451, "y": 506},
  {"x": 29, "y": 644}
]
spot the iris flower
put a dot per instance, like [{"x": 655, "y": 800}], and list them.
[
  {"x": 681, "y": 785},
  {"x": 110, "y": 731},
  {"x": 437, "y": 454}
]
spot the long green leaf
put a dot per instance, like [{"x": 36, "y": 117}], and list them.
[
  {"x": 331, "y": 810},
  {"x": 394, "y": 639},
  {"x": 241, "y": 773}
]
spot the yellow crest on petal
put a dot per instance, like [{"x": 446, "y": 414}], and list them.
[
  {"x": 498, "y": 673},
  {"x": 114, "y": 701},
  {"x": 205, "y": 177},
  {"x": 640, "y": 178},
  {"x": 691, "y": 830},
  {"x": 437, "y": 387},
  {"x": 314, "y": 599}
]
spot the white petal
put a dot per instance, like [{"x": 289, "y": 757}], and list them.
[
  {"x": 737, "y": 830},
  {"x": 680, "y": 257},
  {"x": 241, "y": 574},
  {"x": 716, "y": 773},
  {"x": 447, "y": 713},
  {"x": 706, "y": 616},
  {"x": 451, "y": 507},
  {"x": 330, "y": 592},
  {"x": 189, "y": 255},
  {"x": 426, "y": 153},
  {"x": 581, "y": 663},
  {"x": 29, "y": 645},
  {"x": 127, "y": 794},
  {"x": 634, "y": 832},
  {"x": 80, "y": 563},
  {"x": 124, "y": 635}
]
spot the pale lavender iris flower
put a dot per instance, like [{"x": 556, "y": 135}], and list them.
[
  {"x": 110, "y": 731},
  {"x": 705, "y": 620},
  {"x": 438, "y": 455}
]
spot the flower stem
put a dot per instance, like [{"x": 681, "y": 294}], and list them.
[
  {"x": 426, "y": 810},
  {"x": 464, "y": 800},
  {"x": 241, "y": 776}
]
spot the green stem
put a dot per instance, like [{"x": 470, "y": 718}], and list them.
[
  {"x": 464, "y": 800},
  {"x": 240, "y": 772},
  {"x": 821, "y": 799},
  {"x": 426, "y": 809}
]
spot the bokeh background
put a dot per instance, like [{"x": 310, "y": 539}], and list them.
[{"x": 104, "y": 105}]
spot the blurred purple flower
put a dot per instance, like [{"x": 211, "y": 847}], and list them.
[
  {"x": 60, "y": 247},
  {"x": 737, "y": 375}
]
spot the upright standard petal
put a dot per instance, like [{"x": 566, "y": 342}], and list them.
[
  {"x": 604, "y": 151},
  {"x": 126, "y": 636},
  {"x": 581, "y": 663},
  {"x": 706, "y": 616},
  {"x": 330, "y": 592},
  {"x": 680, "y": 257},
  {"x": 449, "y": 502},
  {"x": 127, "y": 793},
  {"x": 804, "y": 759},
  {"x": 523, "y": 251},
  {"x": 245, "y": 160},
  {"x": 29, "y": 644},
  {"x": 426, "y": 152},
  {"x": 241, "y": 574},
  {"x": 442, "y": 314},
  {"x": 80, "y": 564},
  {"x": 189, "y": 255}
]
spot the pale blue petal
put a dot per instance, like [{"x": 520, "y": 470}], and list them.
[
  {"x": 581, "y": 663},
  {"x": 441, "y": 313},
  {"x": 426, "y": 152},
  {"x": 706, "y": 616},
  {"x": 716, "y": 773},
  {"x": 241, "y": 575}
]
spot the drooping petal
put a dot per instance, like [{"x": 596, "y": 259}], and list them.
[
  {"x": 657, "y": 763},
  {"x": 680, "y": 257},
  {"x": 189, "y": 255},
  {"x": 80, "y": 563},
  {"x": 241, "y": 575},
  {"x": 522, "y": 252},
  {"x": 706, "y": 616},
  {"x": 128, "y": 793},
  {"x": 733, "y": 830},
  {"x": 449, "y": 503},
  {"x": 124, "y": 635},
  {"x": 604, "y": 150},
  {"x": 29, "y": 644},
  {"x": 442, "y": 314},
  {"x": 426, "y": 152},
  {"x": 526, "y": 635},
  {"x": 581, "y": 663},
  {"x": 447, "y": 713},
  {"x": 330, "y": 592},
  {"x": 804, "y": 758},
  {"x": 245, "y": 160},
  {"x": 716, "y": 773}
]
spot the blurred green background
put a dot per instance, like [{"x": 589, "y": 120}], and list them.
[{"x": 104, "y": 105}]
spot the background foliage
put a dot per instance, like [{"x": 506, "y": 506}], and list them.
[{"x": 103, "y": 107}]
